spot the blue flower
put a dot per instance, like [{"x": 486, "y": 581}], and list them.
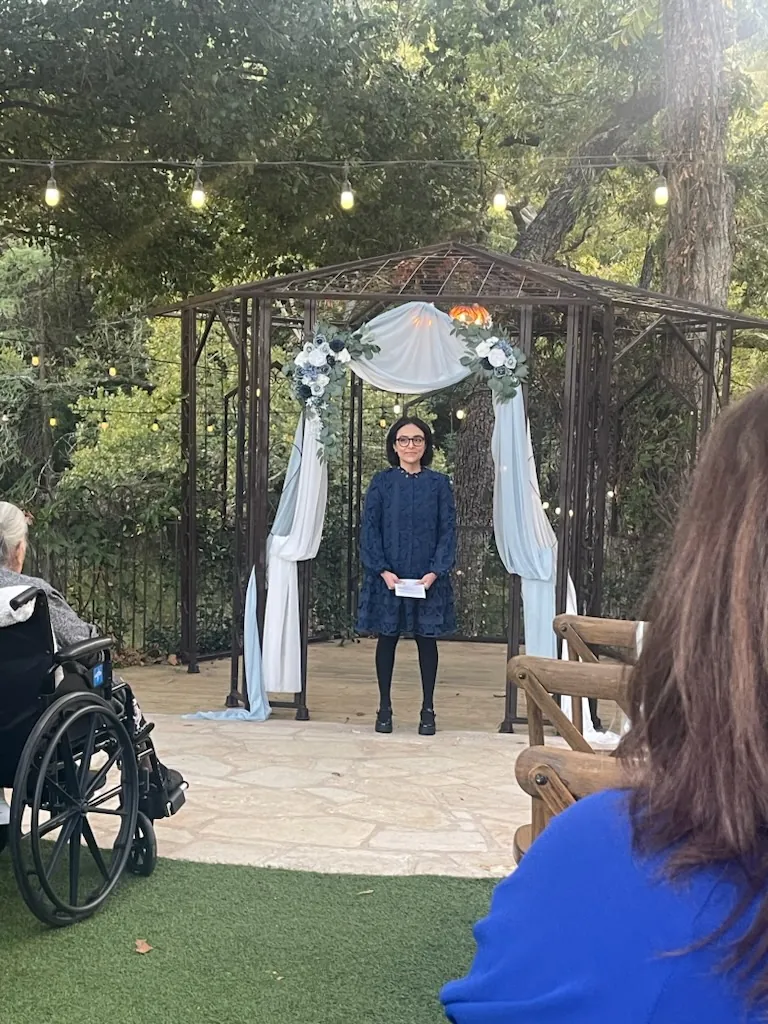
[
  {"x": 337, "y": 345},
  {"x": 304, "y": 392}
]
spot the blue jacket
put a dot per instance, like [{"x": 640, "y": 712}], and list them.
[{"x": 585, "y": 932}]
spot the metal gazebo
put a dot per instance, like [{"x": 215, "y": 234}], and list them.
[{"x": 600, "y": 324}]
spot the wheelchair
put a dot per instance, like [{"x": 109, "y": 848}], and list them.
[{"x": 86, "y": 782}]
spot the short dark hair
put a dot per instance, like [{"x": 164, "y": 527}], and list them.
[{"x": 394, "y": 430}]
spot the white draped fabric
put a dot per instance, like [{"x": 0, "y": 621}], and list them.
[
  {"x": 418, "y": 353},
  {"x": 289, "y": 543}
]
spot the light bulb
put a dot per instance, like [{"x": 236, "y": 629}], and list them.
[
  {"x": 347, "y": 198},
  {"x": 397, "y": 409},
  {"x": 155, "y": 426},
  {"x": 382, "y": 423},
  {"x": 53, "y": 422},
  {"x": 52, "y": 194},
  {"x": 460, "y": 414},
  {"x": 5, "y": 417},
  {"x": 570, "y": 512},
  {"x": 112, "y": 371},
  {"x": 104, "y": 425},
  {"x": 611, "y": 494},
  {"x": 211, "y": 428},
  {"x": 661, "y": 191},
  {"x": 558, "y": 510},
  {"x": 500, "y": 201},
  {"x": 545, "y": 505},
  {"x": 197, "y": 198}
]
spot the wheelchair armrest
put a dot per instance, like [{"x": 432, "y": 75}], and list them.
[
  {"x": 83, "y": 649},
  {"x": 25, "y": 597}
]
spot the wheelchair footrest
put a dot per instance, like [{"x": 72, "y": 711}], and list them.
[{"x": 176, "y": 800}]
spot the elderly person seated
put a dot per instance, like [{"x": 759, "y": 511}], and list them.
[{"x": 68, "y": 628}]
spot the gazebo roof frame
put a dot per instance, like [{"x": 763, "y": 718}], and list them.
[{"x": 462, "y": 273}]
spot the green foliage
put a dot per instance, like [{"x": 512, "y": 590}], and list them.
[
  {"x": 494, "y": 359},
  {"x": 318, "y": 375}
]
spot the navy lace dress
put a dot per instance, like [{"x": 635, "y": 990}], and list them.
[{"x": 409, "y": 528}]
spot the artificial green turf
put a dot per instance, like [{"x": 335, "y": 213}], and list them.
[{"x": 236, "y": 945}]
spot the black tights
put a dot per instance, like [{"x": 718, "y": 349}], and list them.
[{"x": 385, "y": 664}]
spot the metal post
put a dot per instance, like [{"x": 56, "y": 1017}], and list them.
[
  {"x": 258, "y": 449},
  {"x": 567, "y": 456},
  {"x": 350, "y": 495},
  {"x": 305, "y": 568},
  {"x": 189, "y": 505},
  {"x": 242, "y": 565},
  {"x": 581, "y": 447},
  {"x": 727, "y": 361},
  {"x": 603, "y": 441},
  {"x": 708, "y": 389}
]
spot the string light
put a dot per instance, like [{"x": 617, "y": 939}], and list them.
[
  {"x": 104, "y": 422},
  {"x": 197, "y": 198},
  {"x": 52, "y": 194},
  {"x": 112, "y": 371},
  {"x": 211, "y": 427},
  {"x": 500, "y": 201},
  {"x": 570, "y": 512},
  {"x": 660, "y": 191},
  {"x": 53, "y": 422},
  {"x": 460, "y": 414},
  {"x": 382, "y": 423},
  {"x": 347, "y": 198},
  {"x": 155, "y": 426},
  {"x": 5, "y": 417},
  {"x": 611, "y": 494},
  {"x": 558, "y": 510},
  {"x": 397, "y": 409},
  {"x": 545, "y": 505}
]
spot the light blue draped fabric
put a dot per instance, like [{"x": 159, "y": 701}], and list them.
[
  {"x": 524, "y": 536},
  {"x": 257, "y": 696},
  {"x": 259, "y": 710}
]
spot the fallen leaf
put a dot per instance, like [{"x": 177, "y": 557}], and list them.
[
  {"x": 142, "y": 946},
  {"x": 366, "y": 892}
]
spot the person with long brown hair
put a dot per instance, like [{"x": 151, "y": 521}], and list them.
[{"x": 650, "y": 904}]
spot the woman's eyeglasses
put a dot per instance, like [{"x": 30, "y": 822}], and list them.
[{"x": 405, "y": 442}]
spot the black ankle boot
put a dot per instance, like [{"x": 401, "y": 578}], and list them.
[
  {"x": 384, "y": 720},
  {"x": 427, "y": 725}
]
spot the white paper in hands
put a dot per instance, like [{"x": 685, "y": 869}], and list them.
[{"x": 410, "y": 588}]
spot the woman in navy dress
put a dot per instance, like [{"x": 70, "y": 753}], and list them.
[{"x": 409, "y": 533}]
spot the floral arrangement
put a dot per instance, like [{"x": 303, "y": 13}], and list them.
[
  {"x": 493, "y": 358},
  {"x": 318, "y": 373}
]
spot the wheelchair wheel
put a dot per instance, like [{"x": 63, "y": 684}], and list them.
[
  {"x": 143, "y": 856},
  {"x": 74, "y": 809}
]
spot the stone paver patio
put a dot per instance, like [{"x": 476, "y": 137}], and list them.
[{"x": 338, "y": 798}]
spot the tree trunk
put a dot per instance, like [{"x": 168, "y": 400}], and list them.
[
  {"x": 540, "y": 242},
  {"x": 473, "y": 480},
  {"x": 699, "y": 245}
]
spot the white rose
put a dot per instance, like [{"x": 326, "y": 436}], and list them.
[
  {"x": 343, "y": 356},
  {"x": 301, "y": 359},
  {"x": 325, "y": 348},
  {"x": 316, "y": 358},
  {"x": 493, "y": 340},
  {"x": 317, "y": 388},
  {"x": 308, "y": 348},
  {"x": 306, "y": 379},
  {"x": 510, "y": 362},
  {"x": 323, "y": 380},
  {"x": 483, "y": 349},
  {"x": 496, "y": 357}
]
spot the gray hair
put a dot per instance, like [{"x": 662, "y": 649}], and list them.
[{"x": 13, "y": 530}]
